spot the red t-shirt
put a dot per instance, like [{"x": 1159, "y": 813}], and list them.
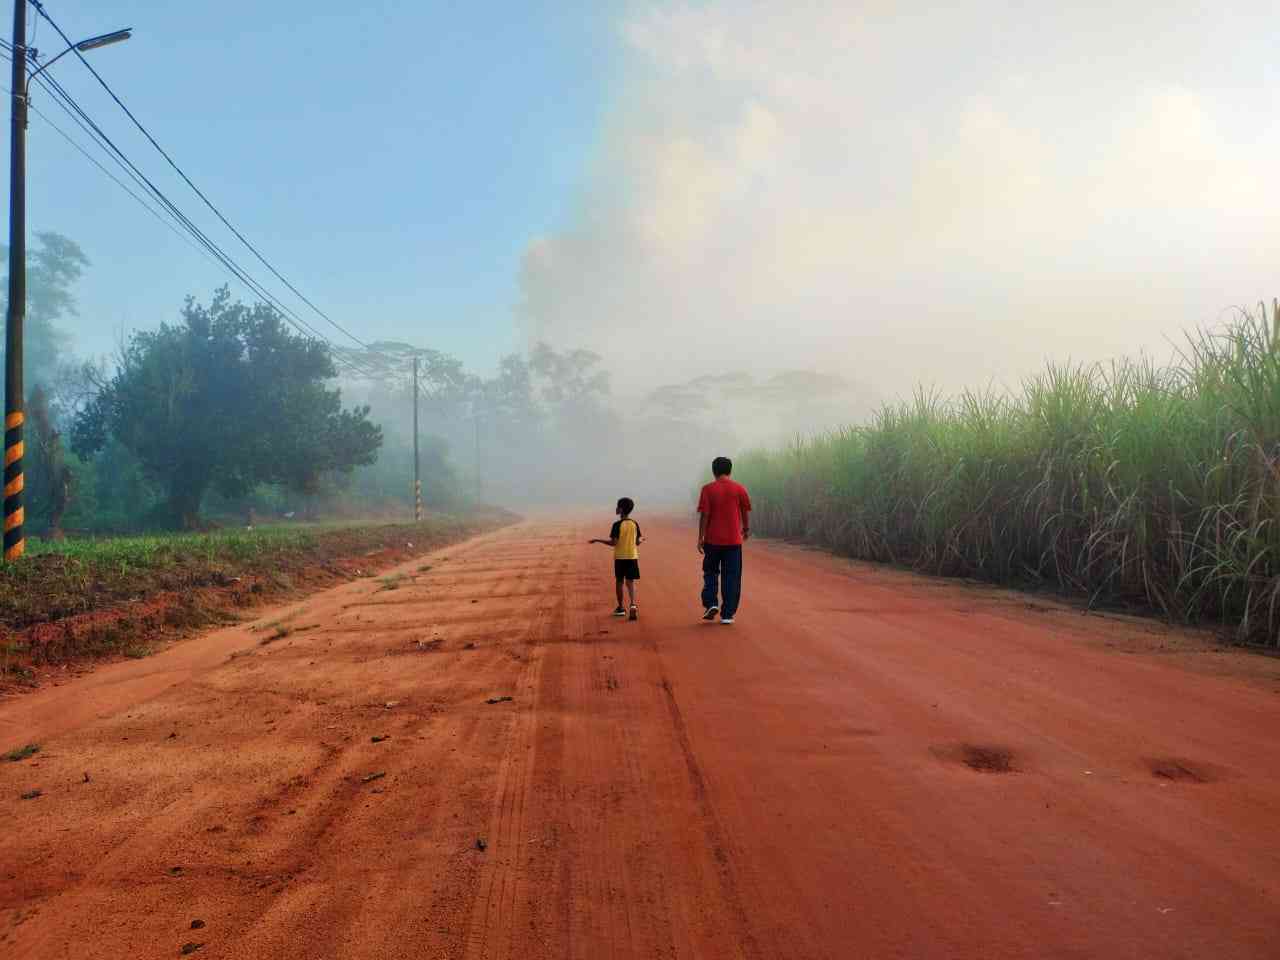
[{"x": 725, "y": 503}]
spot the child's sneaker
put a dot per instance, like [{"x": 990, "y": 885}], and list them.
[
  {"x": 635, "y": 613},
  {"x": 619, "y": 612}
]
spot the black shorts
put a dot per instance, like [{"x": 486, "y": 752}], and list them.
[{"x": 626, "y": 569}]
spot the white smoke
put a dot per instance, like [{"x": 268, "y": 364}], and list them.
[{"x": 948, "y": 195}]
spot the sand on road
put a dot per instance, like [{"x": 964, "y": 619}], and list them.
[{"x": 866, "y": 765}]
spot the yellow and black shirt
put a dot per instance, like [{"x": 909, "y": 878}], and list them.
[{"x": 625, "y": 534}]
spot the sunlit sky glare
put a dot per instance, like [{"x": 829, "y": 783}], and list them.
[{"x": 894, "y": 192}]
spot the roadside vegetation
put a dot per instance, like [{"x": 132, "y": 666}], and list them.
[
  {"x": 1127, "y": 484},
  {"x": 77, "y": 598}
]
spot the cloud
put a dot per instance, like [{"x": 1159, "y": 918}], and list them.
[{"x": 946, "y": 197}]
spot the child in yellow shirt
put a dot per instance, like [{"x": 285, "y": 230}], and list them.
[{"x": 624, "y": 537}]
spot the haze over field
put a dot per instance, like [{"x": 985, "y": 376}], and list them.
[
  {"x": 764, "y": 218},
  {"x": 899, "y": 194}
]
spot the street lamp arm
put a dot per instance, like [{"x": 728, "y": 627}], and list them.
[
  {"x": 92, "y": 43},
  {"x": 45, "y": 66}
]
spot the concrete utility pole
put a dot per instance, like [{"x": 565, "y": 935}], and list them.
[
  {"x": 14, "y": 544},
  {"x": 479, "y": 465},
  {"x": 417, "y": 482},
  {"x": 14, "y": 416}
]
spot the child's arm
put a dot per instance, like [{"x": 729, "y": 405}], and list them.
[{"x": 613, "y": 536}]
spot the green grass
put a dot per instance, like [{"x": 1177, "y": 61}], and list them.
[
  {"x": 154, "y": 551},
  {"x": 1131, "y": 483},
  {"x": 21, "y": 753}
]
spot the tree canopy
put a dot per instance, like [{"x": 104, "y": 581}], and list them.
[
  {"x": 54, "y": 265},
  {"x": 227, "y": 398}
]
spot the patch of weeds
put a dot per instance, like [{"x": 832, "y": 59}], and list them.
[
  {"x": 138, "y": 650},
  {"x": 189, "y": 615},
  {"x": 105, "y": 639},
  {"x": 280, "y": 633},
  {"x": 425, "y": 568},
  {"x": 30, "y": 750},
  {"x": 20, "y": 672},
  {"x": 392, "y": 582}
]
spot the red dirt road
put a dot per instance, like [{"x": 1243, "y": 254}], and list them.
[{"x": 867, "y": 765}]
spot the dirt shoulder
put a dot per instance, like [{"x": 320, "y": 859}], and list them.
[{"x": 66, "y": 610}]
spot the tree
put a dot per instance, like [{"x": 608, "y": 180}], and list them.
[
  {"x": 54, "y": 265},
  {"x": 509, "y": 398},
  {"x": 229, "y": 398},
  {"x": 49, "y": 479},
  {"x": 569, "y": 379},
  {"x": 387, "y": 366}
]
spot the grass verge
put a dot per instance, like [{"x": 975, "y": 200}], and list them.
[{"x": 79, "y": 599}]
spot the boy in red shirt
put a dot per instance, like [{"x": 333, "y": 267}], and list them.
[{"x": 723, "y": 524}]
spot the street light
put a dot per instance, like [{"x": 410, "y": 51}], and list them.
[
  {"x": 105, "y": 40},
  {"x": 14, "y": 543}
]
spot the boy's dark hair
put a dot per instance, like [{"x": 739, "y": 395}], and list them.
[
  {"x": 721, "y": 467},
  {"x": 626, "y": 505}
]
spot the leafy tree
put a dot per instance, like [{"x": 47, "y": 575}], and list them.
[
  {"x": 510, "y": 398},
  {"x": 230, "y": 398},
  {"x": 569, "y": 379},
  {"x": 49, "y": 480},
  {"x": 54, "y": 265}
]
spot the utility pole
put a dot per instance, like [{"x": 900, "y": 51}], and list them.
[
  {"x": 479, "y": 467},
  {"x": 417, "y": 482},
  {"x": 14, "y": 544}
]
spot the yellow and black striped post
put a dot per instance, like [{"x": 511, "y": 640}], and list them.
[
  {"x": 13, "y": 516},
  {"x": 14, "y": 544}
]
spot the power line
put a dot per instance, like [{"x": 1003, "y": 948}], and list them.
[
  {"x": 69, "y": 105},
  {"x": 5, "y": 55},
  {"x": 104, "y": 142},
  {"x": 107, "y": 173},
  {"x": 207, "y": 202}
]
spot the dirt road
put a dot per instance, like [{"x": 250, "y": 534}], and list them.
[{"x": 867, "y": 765}]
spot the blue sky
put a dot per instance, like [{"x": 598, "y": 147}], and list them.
[{"x": 393, "y": 159}]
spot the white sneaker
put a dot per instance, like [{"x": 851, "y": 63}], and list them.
[{"x": 726, "y": 620}]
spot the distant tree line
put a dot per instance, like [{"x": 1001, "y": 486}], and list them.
[{"x": 225, "y": 413}]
